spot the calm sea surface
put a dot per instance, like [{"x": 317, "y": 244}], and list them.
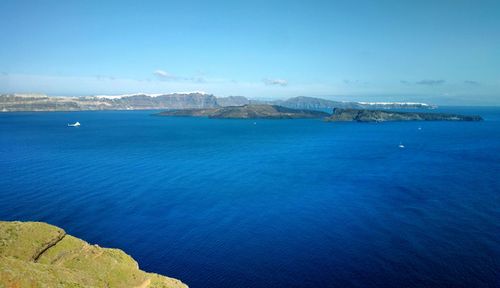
[{"x": 275, "y": 203}]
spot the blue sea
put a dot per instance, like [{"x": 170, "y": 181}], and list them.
[{"x": 266, "y": 203}]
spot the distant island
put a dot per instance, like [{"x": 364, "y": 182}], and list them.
[
  {"x": 263, "y": 111},
  {"x": 196, "y": 104},
  {"x": 35, "y": 254},
  {"x": 251, "y": 111},
  {"x": 384, "y": 115},
  {"x": 184, "y": 100}
]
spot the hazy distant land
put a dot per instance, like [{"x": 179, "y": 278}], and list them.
[
  {"x": 207, "y": 105},
  {"x": 192, "y": 100}
]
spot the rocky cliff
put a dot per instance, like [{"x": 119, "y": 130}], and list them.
[
  {"x": 232, "y": 101},
  {"x": 312, "y": 103},
  {"x": 248, "y": 112},
  {"x": 193, "y": 100},
  {"x": 35, "y": 254},
  {"x": 30, "y": 102},
  {"x": 361, "y": 115}
]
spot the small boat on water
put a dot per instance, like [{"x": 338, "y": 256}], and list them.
[
  {"x": 76, "y": 124},
  {"x": 401, "y": 145}
]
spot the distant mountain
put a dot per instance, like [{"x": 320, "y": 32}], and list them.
[
  {"x": 254, "y": 111},
  {"x": 232, "y": 101},
  {"x": 40, "y": 102},
  {"x": 364, "y": 115},
  {"x": 184, "y": 100},
  {"x": 311, "y": 103},
  {"x": 395, "y": 105},
  {"x": 170, "y": 101}
]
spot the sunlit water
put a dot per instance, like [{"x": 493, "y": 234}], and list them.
[{"x": 275, "y": 203}]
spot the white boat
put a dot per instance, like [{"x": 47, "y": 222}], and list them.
[
  {"x": 401, "y": 145},
  {"x": 76, "y": 124}
]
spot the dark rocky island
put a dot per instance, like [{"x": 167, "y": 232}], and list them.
[
  {"x": 252, "y": 111},
  {"x": 35, "y": 254},
  {"x": 362, "y": 115}
]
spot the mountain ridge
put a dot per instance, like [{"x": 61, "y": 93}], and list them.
[{"x": 189, "y": 100}]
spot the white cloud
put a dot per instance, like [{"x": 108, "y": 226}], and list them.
[
  {"x": 279, "y": 82},
  {"x": 163, "y": 74}
]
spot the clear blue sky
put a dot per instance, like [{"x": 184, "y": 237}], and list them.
[{"x": 435, "y": 51}]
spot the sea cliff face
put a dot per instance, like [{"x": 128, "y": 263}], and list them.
[
  {"x": 193, "y": 100},
  {"x": 248, "y": 112},
  {"x": 35, "y": 254},
  {"x": 40, "y": 102},
  {"x": 361, "y": 115},
  {"x": 312, "y": 103},
  {"x": 232, "y": 101}
]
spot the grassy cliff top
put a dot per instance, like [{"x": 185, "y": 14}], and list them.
[{"x": 35, "y": 254}]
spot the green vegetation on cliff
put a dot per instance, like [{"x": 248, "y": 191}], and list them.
[{"x": 35, "y": 254}]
